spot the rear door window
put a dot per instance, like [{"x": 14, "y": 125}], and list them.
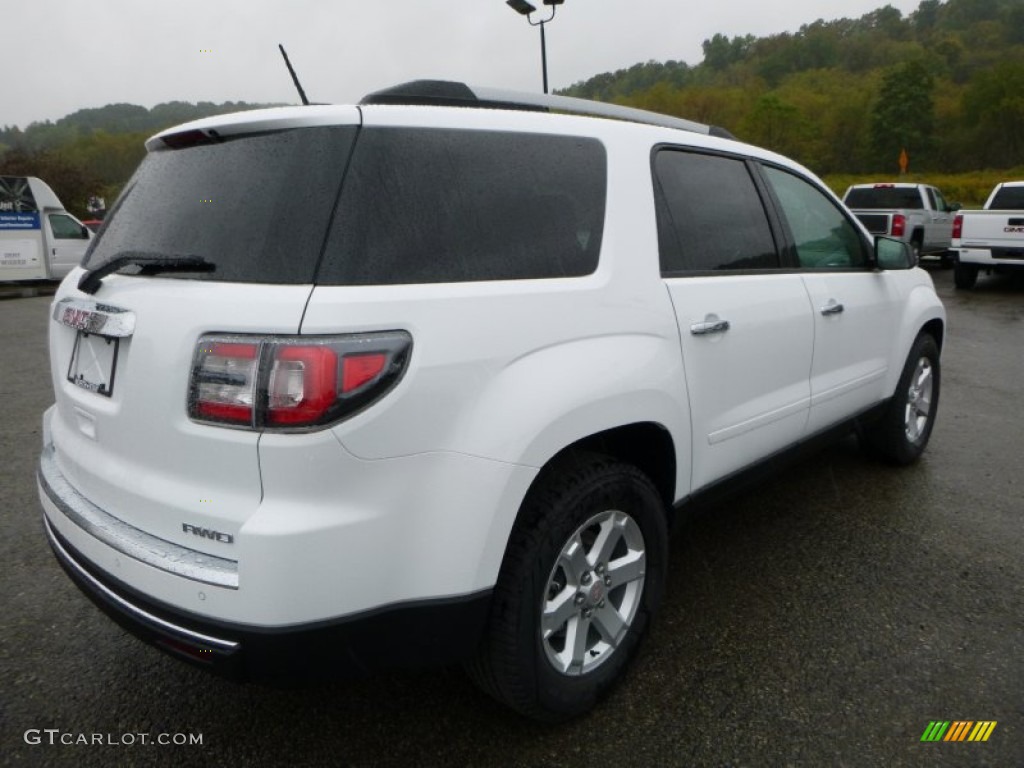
[
  {"x": 435, "y": 205},
  {"x": 710, "y": 215}
]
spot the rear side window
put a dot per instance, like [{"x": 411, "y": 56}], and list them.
[
  {"x": 430, "y": 206},
  {"x": 710, "y": 215},
  {"x": 1008, "y": 199},
  {"x": 257, "y": 207},
  {"x": 885, "y": 197}
]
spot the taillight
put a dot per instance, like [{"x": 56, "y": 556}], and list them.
[
  {"x": 293, "y": 382},
  {"x": 958, "y": 226},
  {"x": 899, "y": 225},
  {"x": 303, "y": 384},
  {"x": 223, "y": 389}
]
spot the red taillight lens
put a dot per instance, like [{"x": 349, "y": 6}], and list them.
[
  {"x": 958, "y": 226},
  {"x": 224, "y": 381},
  {"x": 293, "y": 382},
  {"x": 358, "y": 370},
  {"x": 899, "y": 225},
  {"x": 303, "y": 384}
]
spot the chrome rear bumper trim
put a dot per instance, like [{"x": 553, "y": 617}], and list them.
[
  {"x": 133, "y": 610},
  {"x": 128, "y": 540}
]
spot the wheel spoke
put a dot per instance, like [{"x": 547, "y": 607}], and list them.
[
  {"x": 576, "y": 642},
  {"x": 924, "y": 375},
  {"x": 558, "y": 611},
  {"x": 607, "y": 538},
  {"x": 610, "y": 624},
  {"x": 574, "y": 559},
  {"x": 627, "y": 569},
  {"x": 924, "y": 405}
]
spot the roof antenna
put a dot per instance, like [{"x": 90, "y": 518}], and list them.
[{"x": 295, "y": 78}]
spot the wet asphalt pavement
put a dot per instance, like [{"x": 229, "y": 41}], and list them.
[{"x": 822, "y": 619}]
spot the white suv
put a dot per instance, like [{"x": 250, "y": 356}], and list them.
[{"x": 425, "y": 378}]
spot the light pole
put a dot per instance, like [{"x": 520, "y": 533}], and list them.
[{"x": 525, "y": 8}]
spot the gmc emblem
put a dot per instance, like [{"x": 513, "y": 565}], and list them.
[{"x": 206, "y": 533}]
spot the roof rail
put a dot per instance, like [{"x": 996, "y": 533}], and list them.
[{"x": 449, "y": 93}]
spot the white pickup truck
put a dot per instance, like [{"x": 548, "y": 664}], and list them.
[
  {"x": 992, "y": 238},
  {"x": 918, "y": 214}
]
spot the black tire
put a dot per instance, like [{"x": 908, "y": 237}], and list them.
[
  {"x": 948, "y": 259},
  {"x": 901, "y": 434},
  {"x": 915, "y": 250},
  {"x": 516, "y": 664},
  {"x": 965, "y": 275}
]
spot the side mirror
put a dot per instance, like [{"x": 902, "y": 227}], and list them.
[
  {"x": 85, "y": 232},
  {"x": 953, "y": 207},
  {"x": 893, "y": 254}
]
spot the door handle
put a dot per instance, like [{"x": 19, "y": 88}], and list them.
[
  {"x": 702, "y": 329},
  {"x": 832, "y": 308}
]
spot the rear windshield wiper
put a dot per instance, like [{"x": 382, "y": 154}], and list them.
[{"x": 151, "y": 264}]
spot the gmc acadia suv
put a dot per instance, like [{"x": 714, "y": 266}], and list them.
[{"x": 423, "y": 379}]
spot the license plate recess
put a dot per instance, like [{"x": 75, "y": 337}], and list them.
[{"x": 94, "y": 362}]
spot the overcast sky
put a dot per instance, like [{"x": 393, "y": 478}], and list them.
[{"x": 64, "y": 55}]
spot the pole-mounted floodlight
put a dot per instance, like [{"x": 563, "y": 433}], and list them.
[
  {"x": 526, "y": 8},
  {"x": 521, "y": 6}
]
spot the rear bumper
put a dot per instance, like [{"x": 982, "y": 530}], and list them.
[
  {"x": 984, "y": 257},
  {"x": 429, "y": 632}
]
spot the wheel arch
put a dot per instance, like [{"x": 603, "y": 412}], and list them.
[
  {"x": 923, "y": 313},
  {"x": 646, "y": 445},
  {"x": 936, "y": 329}
]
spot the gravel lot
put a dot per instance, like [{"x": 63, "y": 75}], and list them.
[{"x": 822, "y": 619}]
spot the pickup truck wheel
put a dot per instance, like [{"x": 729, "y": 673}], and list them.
[
  {"x": 965, "y": 275},
  {"x": 583, "y": 574},
  {"x": 915, "y": 250},
  {"x": 901, "y": 434}
]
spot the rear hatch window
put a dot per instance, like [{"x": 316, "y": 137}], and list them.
[{"x": 256, "y": 207}]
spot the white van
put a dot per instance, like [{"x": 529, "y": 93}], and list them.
[{"x": 39, "y": 240}]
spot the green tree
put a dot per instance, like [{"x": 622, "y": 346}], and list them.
[
  {"x": 904, "y": 116},
  {"x": 774, "y": 124},
  {"x": 993, "y": 105}
]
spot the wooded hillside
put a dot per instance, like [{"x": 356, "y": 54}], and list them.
[{"x": 945, "y": 82}]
